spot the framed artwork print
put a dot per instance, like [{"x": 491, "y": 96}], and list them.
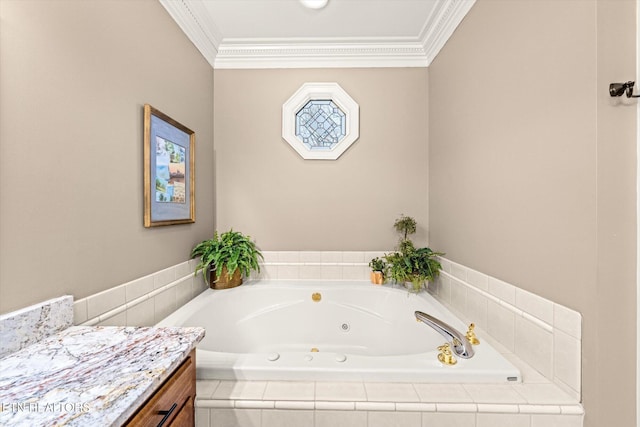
[{"x": 169, "y": 170}]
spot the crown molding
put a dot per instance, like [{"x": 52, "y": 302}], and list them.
[
  {"x": 197, "y": 24},
  {"x": 314, "y": 54},
  {"x": 446, "y": 17}
]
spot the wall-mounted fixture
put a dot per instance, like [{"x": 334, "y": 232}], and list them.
[
  {"x": 314, "y": 4},
  {"x": 618, "y": 89}
]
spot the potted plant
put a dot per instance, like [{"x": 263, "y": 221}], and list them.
[
  {"x": 226, "y": 258},
  {"x": 405, "y": 225},
  {"x": 410, "y": 265},
  {"x": 414, "y": 267},
  {"x": 378, "y": 270}
]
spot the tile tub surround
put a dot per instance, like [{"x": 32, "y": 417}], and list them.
[
  {"x": 546, "y": 335},
  {"x": 537, "y": 402},
  {"x": 143, "y": 301},
  {"x": 314, "y": 265},
  {"x": 146, "y": 299},
  {"x": 29, "y": 325},
  {"x": 92, "y": 376},
  {"x": 357, "y": 404}
]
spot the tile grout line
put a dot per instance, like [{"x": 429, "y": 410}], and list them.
[
  {"x": 508, "y": 306},
  {"x": 318, "y": 264},
  {"x": 127, "y": 305},
  {"x": 447, "y": 407}
]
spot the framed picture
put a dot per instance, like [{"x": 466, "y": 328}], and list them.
[{"x": 169, "y": 170}]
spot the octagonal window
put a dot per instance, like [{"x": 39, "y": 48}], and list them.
[
  {"x": 320, "y": 121},
  {"x": 320, "y": 124}
]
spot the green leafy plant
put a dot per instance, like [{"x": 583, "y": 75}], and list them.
[
  {"x": 378, "y": 264},
  {"x": 411, "y": 264},
  {"x": 379, "y": 270},
  {"x": 231, "y": 249},
  {"x": 405, "y": 225},
  {"x": 417, "y": 266}
]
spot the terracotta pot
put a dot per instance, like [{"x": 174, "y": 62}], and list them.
[
  {"x": 377, "y": 278},
  {"x": 223, "y": 282}
]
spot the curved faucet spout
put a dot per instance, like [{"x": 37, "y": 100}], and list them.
[{"x": 459, "y": 343}]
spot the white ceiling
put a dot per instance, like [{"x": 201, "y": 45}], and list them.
[{"x": 346, "y": 33}]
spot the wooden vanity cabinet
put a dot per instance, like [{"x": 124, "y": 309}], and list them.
[{"x": 172, "y": 404}]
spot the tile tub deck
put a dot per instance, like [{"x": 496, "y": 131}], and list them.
[{"x": 535, "y": 402}]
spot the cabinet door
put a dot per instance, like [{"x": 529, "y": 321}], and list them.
[
  {"x": 185, "y": 417},
  {"x": 170, "y": 399}
]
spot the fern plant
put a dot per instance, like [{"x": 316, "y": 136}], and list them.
[{"x": 231, "y": 249}]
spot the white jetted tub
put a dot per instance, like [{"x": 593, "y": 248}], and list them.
[{"x": 329, "y": 331}]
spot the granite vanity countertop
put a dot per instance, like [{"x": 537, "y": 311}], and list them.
[{"x": 89, "y": 376}]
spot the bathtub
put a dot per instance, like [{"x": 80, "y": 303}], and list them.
[{"x": 328, "y": 331}]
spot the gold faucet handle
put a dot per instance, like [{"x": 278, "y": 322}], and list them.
[
  {"x": 471, "y": 335},
  {"x": 445, "y": 356}
]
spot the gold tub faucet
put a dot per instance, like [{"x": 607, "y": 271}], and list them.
[
  {"x": 471, "y": 335},
  {"x": 445, "y": 356}
]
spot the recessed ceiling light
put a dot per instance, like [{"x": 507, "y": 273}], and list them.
[{"x": 314, "y": 4}]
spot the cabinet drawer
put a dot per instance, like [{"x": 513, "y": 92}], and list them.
[{"x": 174, "y": 395}]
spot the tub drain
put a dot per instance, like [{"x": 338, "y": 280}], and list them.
[{"x": 345, "y": 327}]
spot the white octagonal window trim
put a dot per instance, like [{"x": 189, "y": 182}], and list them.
[{"x": 320, "y": 121}]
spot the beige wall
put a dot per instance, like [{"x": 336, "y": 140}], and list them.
[
  {"x": 74, "y": 77},
  {"x": 532, "y": 169},
  {"x": 264, "y": 188},
  {"x": 613, "y": 386}
]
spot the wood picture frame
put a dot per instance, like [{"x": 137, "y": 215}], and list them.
[{"x": 169, "y": 170}]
